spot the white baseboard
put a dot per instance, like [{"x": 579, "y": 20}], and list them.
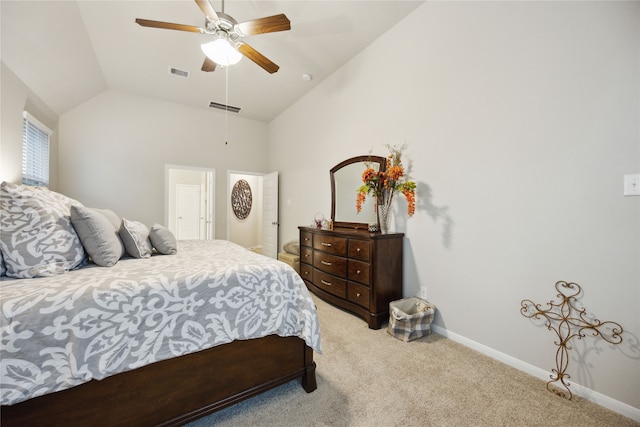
[{"x": 577, "y": 389}]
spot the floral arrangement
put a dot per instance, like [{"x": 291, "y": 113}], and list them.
[{"x": 382, "y": 185}]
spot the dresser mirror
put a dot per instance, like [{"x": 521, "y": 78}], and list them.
[{"x": 346, "y": 178}]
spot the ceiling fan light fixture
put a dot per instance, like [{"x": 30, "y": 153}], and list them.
[
  {"x": 226, "y": 46},
  {"x": 221, "y": 51}
]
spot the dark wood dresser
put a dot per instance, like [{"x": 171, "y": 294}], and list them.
[{"x": 353, "y": 269}]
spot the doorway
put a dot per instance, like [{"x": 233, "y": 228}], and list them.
[
  {"x": 256, "y": 230},
  {"x": 189, "y": 202}
]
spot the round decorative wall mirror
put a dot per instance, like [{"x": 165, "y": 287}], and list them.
[{"x": 241, "y": 199}]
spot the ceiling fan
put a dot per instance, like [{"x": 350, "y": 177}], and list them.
[{"x": 227, "y": 34}]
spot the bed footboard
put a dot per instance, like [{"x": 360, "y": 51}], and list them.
[{"x": 175, "y": 391}]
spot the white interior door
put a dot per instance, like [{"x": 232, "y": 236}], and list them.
[
  {"x": 189, "y": 212},
  {"x": 270, "y": 215},
  {"x": 176, "y": 175}
]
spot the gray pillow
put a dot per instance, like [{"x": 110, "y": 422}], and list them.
[
  {"x": 98, "y": 236},
  {"x": 163, "y": 240},
  {"x": 135, "y": 236},
  {"x": 36, "y": 235},
  {"x": 292, "y": 247},
  {"x": 3, "y": 269},
  {"x": 111, "y": 216}
]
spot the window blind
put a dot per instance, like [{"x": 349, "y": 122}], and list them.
[{"x": 35, "y": 152}]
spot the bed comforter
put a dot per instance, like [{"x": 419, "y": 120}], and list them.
[{"x": 61, "y": 331}]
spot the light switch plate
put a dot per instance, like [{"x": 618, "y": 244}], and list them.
[{"x": 632, "y": 185}]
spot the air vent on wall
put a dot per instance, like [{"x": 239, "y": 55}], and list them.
[
  {"x": 178, "y": 72},
  {"x": 224, "y": 107}
]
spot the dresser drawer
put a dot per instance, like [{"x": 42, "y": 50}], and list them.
[
  {"x": 330, "y": 263},
  {"x": 306, "y": 272},
  {"x": 358, "y": 271},
  {"x": 330, "y": 244},
  {"x": 306, "y": 239},
  {"x": 306, "y": 255},
  {"x": 332, "y": 284},
  {"x": 359, "y": 249},
  {"x": 358, "y": 294}
]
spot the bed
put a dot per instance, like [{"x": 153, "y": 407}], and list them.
[{"x": 155, "y": 340}]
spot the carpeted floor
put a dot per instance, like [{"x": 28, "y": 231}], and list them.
[{"x": 368, "y": 378}]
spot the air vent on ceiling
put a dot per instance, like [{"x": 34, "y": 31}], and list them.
[
  {"x": 178, "y": 72},
  {"x": 224, "y": 107}
]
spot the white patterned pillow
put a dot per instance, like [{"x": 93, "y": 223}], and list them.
[
  {"x": 135, "y": 236},
  {"x": 36, "y": 235}
]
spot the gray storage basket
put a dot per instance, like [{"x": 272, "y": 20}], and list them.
[{"x": 410, "y": 318}]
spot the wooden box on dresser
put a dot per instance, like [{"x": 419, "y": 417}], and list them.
[{"x": 354, "y": 269}]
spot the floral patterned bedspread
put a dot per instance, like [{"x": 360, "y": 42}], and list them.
[{"x": 61, "y": 331}]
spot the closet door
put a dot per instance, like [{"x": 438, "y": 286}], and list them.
[{"x": 188, "y": 211}]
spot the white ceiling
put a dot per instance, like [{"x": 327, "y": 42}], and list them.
[{"x": 69, "y": 51}]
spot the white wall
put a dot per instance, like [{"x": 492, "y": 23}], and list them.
[
  {"x": 113, "y": 150},
  {"x": 17, "y": 97},
  {"x": 521, "y": 119}
]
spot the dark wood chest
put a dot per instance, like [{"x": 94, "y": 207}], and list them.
[{"x": 358, "y": 271}]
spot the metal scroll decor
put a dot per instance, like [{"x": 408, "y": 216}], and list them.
[
  {"x": 568, "y": 320},
  {"x": 241, "y": 199}
]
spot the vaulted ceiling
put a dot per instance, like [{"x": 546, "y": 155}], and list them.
[{"x": 70, "y": 51}]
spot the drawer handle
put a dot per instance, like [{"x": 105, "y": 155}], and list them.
[
  {"x": 324, "y": 282},
  {"x": 306, "y": 255},
  {"x": 358, "y": 272},
  {"x": 357, "y": 294},
  {"x": 325, "y": 263},
  {"x": 357, "y": 249},
  {"x": 306, "y": 273},
  {"x": 325, "y": 244}
]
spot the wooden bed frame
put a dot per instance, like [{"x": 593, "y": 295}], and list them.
[{"x": 175, "y": 391}]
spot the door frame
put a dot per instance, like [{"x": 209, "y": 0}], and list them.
[
  {"x": 210, "y": 209},
  {"x": 270, "y": 226}
]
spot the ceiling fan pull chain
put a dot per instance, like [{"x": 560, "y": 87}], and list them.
[{"x": 226, "y": 103}]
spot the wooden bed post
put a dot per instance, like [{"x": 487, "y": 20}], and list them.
[{"x": 309, "y": 377}]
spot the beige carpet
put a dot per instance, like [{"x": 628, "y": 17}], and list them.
[{"x": 369, "y": 378}]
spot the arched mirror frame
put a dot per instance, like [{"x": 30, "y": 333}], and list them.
[{"x": 380, "y": 161}]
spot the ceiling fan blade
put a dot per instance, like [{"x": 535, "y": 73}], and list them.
[
  {"x": 168, "y": 25},
  {"x": 257, "y": 57},
  {"x": 270, "y": 24},
  {"x": 207, "y": 9},
  {"x": 208, "y": 65}
]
